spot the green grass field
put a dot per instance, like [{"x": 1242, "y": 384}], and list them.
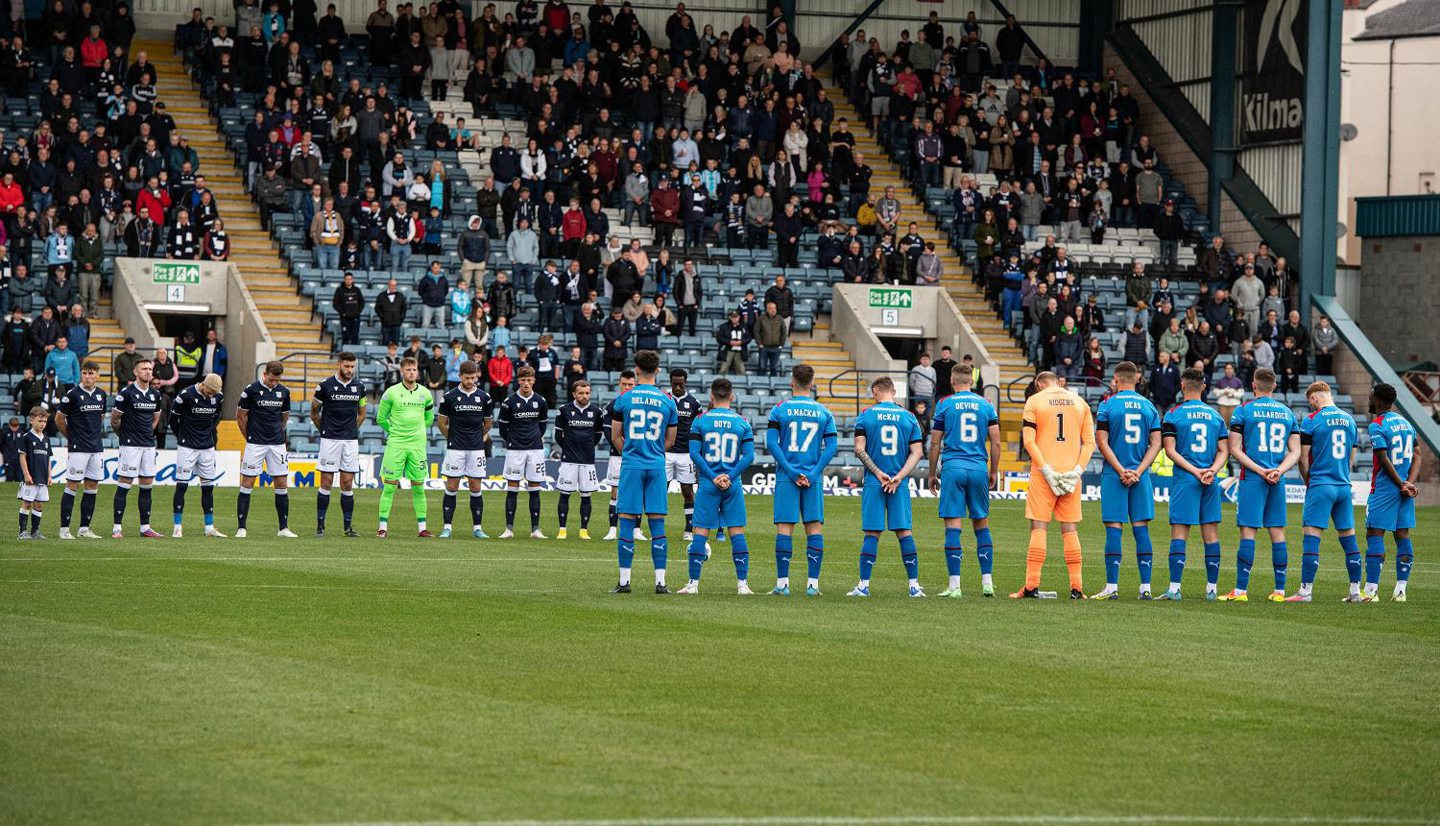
[{"x": 358, "y": 681}]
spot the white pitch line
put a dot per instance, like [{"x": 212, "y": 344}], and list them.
[
  {"x": 248, "y": 586},
  {"x": 922, "y": 820},
  {"x": 549, "y": 559}
]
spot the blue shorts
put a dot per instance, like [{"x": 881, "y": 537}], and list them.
[
  {"x": 964, "y": 491},
  {"x": 1388, "y": 510},
  {"x": 1259, "y": 504},
  {"x": 1121, "y": 504},
  {"x": 1326, "y": 503},
  {"x": 794, "y": 505},
  {"x": 715, "y": 508},
  {"x": 881, "y": 511},
  {"x": 1192, "y": 503},
  {"x": 643, "y": 491}
]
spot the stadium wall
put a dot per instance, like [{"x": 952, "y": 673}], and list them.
[{"x": 1054, "y": 25}]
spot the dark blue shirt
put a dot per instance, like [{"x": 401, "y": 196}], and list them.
[
  {"x": 339, "y": 402},
  {"x": 577, "y": 431},
  {"x": 83, "y": 411},
  {"x": 687, "y": 407},
  {"x": 267, "y": 406},
  {"x": 36, "y": 451},
  {"x": 137, "y": 415},
  {"x": 467, "y": 414},
  {"x": 522, "y": 422},
  {"x": 194, "y": 418},
  {"x": 610, "y": 415}
]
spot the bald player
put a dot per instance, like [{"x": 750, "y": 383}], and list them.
[{"x": 1059, "y": 435}]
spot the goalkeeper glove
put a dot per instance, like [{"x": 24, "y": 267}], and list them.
[
  {"x": 1052, "y": 479},
  {"x": 1071, "y": 479}
]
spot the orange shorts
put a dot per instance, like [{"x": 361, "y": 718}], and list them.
[{"x": 1042, "y": 504}]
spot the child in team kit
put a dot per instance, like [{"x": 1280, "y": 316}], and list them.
[{"x": 34, "y": 474}]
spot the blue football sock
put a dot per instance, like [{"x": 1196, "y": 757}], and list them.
[
  {"x": 659, "y": 546},
  {"x": 814, "y": 554},
  {"x": 1113, "y": 549},
  {"x": 1212, "y": 563},
  {"x": 984, "y": 551},
  {"x": 1310, "y": 561},
  {"x": 1351, "y": 546},
  {"x": 1280, "y": 561},
  {"x": 783, "y": 548},
  {"x": 953, "y": 551},
  {"x": 1144, "y": 552},
  {"x": 1404, "y": 555},
  {"x": 697, "y": 555},
  {"x": 625, "y": 545},
  {"x": 1374, "y": 558},
  {"x": 1177, "y": 560},
  {"x": 868, "y": 548},
  {"x": 1244, "y": 561},
  {"x": 910, "y": 556},
  {"x": 740, "y": 552}
]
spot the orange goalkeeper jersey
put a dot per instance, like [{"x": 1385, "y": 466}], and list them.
[{"x": 1062, "y": 427}]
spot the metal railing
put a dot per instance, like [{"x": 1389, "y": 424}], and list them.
[
  {"x": 304, "y": 358},
  {"x": 1426, "y": 387},
  {"x": 860, "y": 378}
]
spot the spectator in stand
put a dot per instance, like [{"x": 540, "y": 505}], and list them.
[
  {"x": 1149, "y": 193},
  {"x": 391, "y": 308},
  {"x": 1248, "y": 293},
  {"x": 921, "y": 381},
  {"x": 1293, "y": 328},
  {"x": 1324, "y": 339},
  {"x": 433, "y": 290},
  {"x": 474, "y": 250},
  {"x": 1216, "y": 262},
  {"x": 349, "y": 302},
  {"x": 1205, "y": 346},
  {"x": 1175, "y": 342},
  {"x": 1164, "y": 380},
  {"x": 588, "y": 329},
  {"x": 1263, "y": 353},
  {"x": 501, "y": 298},
  {"x": 214, "y": 358},
  {"x": 62, "y": 363},
  {"x": 1069, "y": 350},
  {"x": 617, "y": 332},
  {"x": 1010, "y": 46},
  {"x": 1170, "y": 230},
  {"x": 1290, "y": 364},
  {"x": 732, "y": 337},
  {"x": 1229, "y": 392},
  {"x": 783, "y": 298},
  {"x": 1137, "y": 344}
]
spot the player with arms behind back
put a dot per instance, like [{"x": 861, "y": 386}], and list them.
[
  {"x": 802, "y": 439},
  {"x": 889, "y": 444},
  {"x": 1059, "y": 435},
  {"x": 262, "y": 413},
  {"x": 1392, "y": 492},
  {"x": 1127, "y": 429},
  {"x": 193, "y": 419},
  {"x": 79, "y": 419},
  {"x": 1265, "y": 441},
  {"x": 134, "y": 416},
  {"x": 644, "y": 428},
  {"x": 1327, "y": 440},
  {"x": 722, "y": 446},
  {"x": 965, "y": 424},
  {"x": 337, "y": 411},
  {"x": 464, "y": 420},
  {"x": 578, "y": 428},
  {"x": 406, "y": 412},
  {"x": 1195, "y": 441},
  {"x": 522, "y": 421}
]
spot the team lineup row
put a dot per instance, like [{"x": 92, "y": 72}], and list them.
[{"x": 658, "y": 437}]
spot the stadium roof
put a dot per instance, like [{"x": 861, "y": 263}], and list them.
[{"x": 1416, "y": 18}]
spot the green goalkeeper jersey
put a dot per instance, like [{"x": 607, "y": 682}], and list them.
[{"x": 406, "y": 416}]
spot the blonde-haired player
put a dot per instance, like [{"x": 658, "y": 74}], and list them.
[{"x": 1059, "y": 435}]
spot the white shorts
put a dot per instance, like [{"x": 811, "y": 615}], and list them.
[
  {"x": 272, "y": 458},
  {"x": 136, "y": 462},
  {"x": 679, "y": 468},
  {"x": 82, "y": 466},
  {"x": 34, "y": 493},
  {"x": 612, "y": 472},
  {"x": 339, "y": 454},
  {"x": 573, "y": 477},
  {"x": 528, "y": 465},
  {"x": 464, "y": 464},
  {"x": 191, "y": 461}
]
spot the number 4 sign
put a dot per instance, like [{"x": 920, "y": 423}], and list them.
[{"x": 174, "y": 293}]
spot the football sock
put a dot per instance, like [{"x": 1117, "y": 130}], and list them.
[
  {"x": 1144, "y": 553},
  {"x": 1034, "y": 559},
  {"x": 144, "y": 504},
  {"x": 322, "y": 505},
  {"x": 535, "y": 509},
  {"x": 512, "y": 501},
  {"x": 417, "y": 497},
  {"x": 1113, "y": 549},
  {"x": 783, "y": 547},
  {"x": 562, "y": 510},
  {"x": 868, "y": 548},
  {"x": 1351, "y": 546},
  {"x": 1404, "y": 554},
  {"x": 612, "y": 513},
  {"x": 659, "y": 546},
  {"x": 347, "y": 507},
  {"x": 690, "y": 517},
  {"x": 1310, "y": 562},
  {"x": 740, "y": 553},
  {"x": 447, "y": 509},
  {"x": 697, "y": 556},
  {"x": 177, "y": 503},
  {"x": 1212, "y": 564},
  {"x": 910, "y": 557},
  {"x": 282, "y": 507},
  {"x": 242, "y": 506},
  {"x": 477, "y": 508},
  {"x": 87, "y": 508},
  {"x": 1244, "y": 561},
  {"x": 24, "y": 520},
  {"x": 1073, "y": 560},
  {"x": 814, "y": 555},
  {"x": 584, "y": 511},
  {"x": 1177, "y": 562},
  {"x": 67, "y": 506},
  {"x": 34, "y": 521},
  {"x": 207, "y": 503},
  {"x": 1280, "y": 560},
  {"x": 625, "y": 548},
  {"x": 953, "y": 552},
  {"x": 387, "y": 497},
  {"x": 122, "y": 492},
  {"x": 1374, "y": 560},
  {"x": 985, "y": 551}
]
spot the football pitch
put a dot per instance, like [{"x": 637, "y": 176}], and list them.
[{"x": 335, "y": 680}]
